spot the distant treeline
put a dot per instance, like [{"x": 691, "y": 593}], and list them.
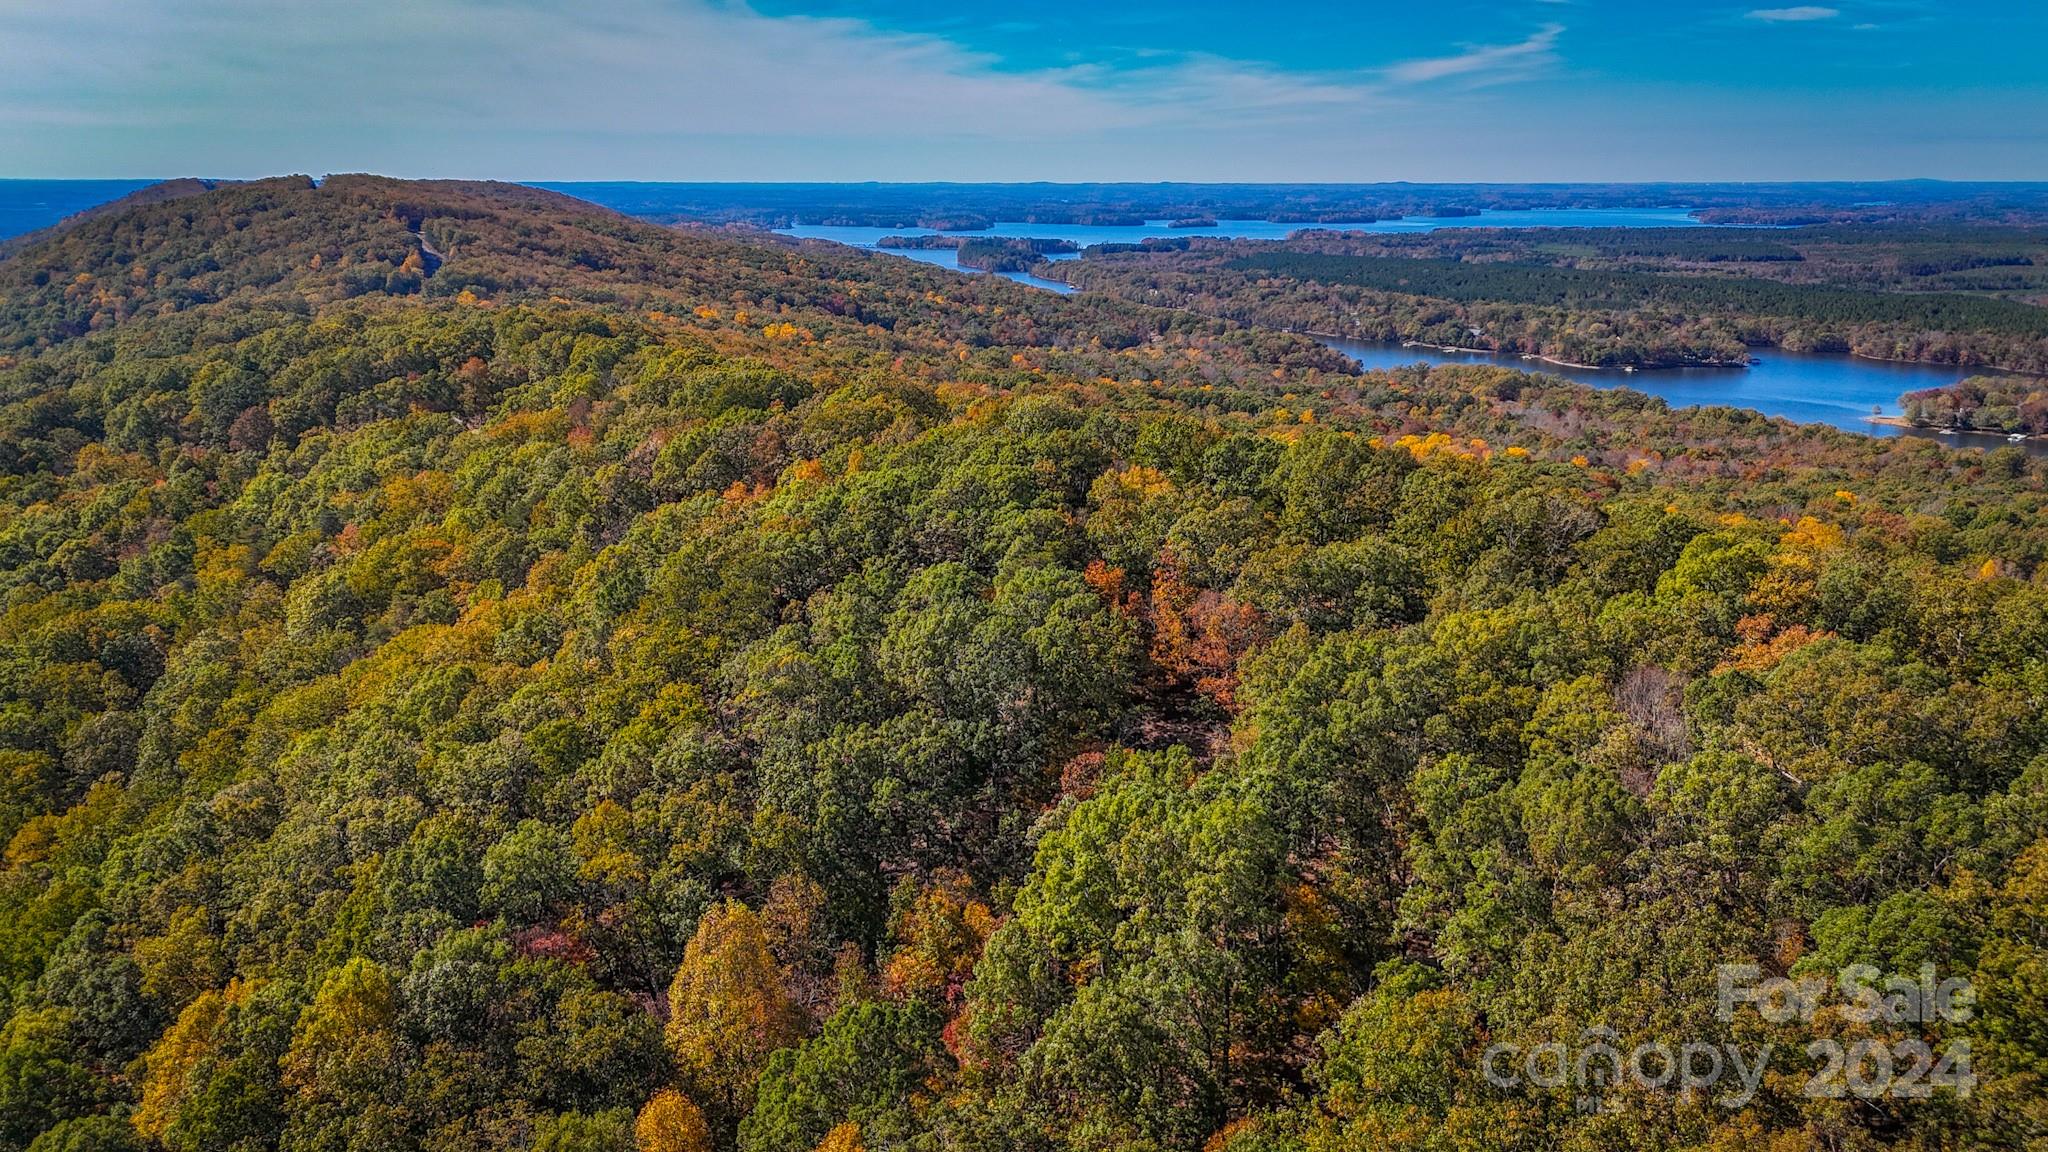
[
  {"x": 988, "y": 254},
  {"x": 1943, "y": 256},
  {"x": 1705, "y": 245},
  {"x": 1037, "y": 245},
  {"x": 1615, "y": 297},
  {"x": 1151, "y": 244},
  {"x": 965, "y": 207},
  {"x": 1584, "y": 288},
  {"x": 1005, "y": 255}
]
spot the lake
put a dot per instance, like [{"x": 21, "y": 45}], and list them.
[
  {"x": 1810, "y": 387},
  {"x": 1086, "y": 234},
  {"x": 948, "y": 258}
]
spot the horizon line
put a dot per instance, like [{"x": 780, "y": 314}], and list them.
[{"x": 965, "y": 183}]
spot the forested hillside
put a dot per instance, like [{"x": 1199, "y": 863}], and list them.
[{"x": 478, "y": 672}]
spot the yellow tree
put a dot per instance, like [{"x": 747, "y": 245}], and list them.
[
  {"x": 168, "y": 1065},
  {"x": 346, "y": 1063},
  {"x": 670, "y": 1123},
  {"x": 728, "y": 1010},
  {"x": 845, "y": 1138}
]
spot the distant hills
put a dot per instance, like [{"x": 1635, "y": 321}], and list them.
[
  {"x": 963, "y": 207},
  {"x": 157, "y": 193}
]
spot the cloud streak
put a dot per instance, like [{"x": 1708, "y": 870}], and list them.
[
  {"x": 1496, "y": 63},
  {"x": 1803, "y": 14},
  {"x": 239, "y": 86},
  {"x": 714, "y": 90}
]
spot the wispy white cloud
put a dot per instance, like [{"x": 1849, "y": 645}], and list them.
[
  {"x": 448, "y": 85},
  {"x": 1804, "y": 13},
  {"x": 713, "y": 90},
  {"x": 1485, "y": 63}
]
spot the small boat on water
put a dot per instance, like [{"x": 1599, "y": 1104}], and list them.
[{"x": 2017, "y": 437}]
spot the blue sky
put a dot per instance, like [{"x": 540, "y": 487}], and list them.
[{"x": 1505, "y": 90}]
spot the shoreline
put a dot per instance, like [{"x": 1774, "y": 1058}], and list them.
[
  {"x": 1973, "y": 369},
  {"x": 1647, "y": 382},
  {"x": 1538, "y": 356},
  {"x": 1991, "y": 433},
  {"x": 1989, "y": 369},
  {"x": 1619, "y": 369}
]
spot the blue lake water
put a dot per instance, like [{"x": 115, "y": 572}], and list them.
[
  {"x": 948, "y": 258},
  {"x": 1810, "y": 387},
  {"x": 26, "y": 205},
  {"x": 1813, "y": 388},
  {"x": 1086, "y": 234}
]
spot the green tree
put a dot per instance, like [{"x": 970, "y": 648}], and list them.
[
  {"x": 869, "y": 1065},
  {"x": 347, "y": 1064}
]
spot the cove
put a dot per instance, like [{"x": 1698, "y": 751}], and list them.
[
  {"x": 948, "y": 258},
  {"x": 1809, "y": 387}
]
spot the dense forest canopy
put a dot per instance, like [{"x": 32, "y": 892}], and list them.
[
  {"x": 1999, "y": 261},
  {"x": 1582, "y": 288},
  {"x": 481, "y": 672}
]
